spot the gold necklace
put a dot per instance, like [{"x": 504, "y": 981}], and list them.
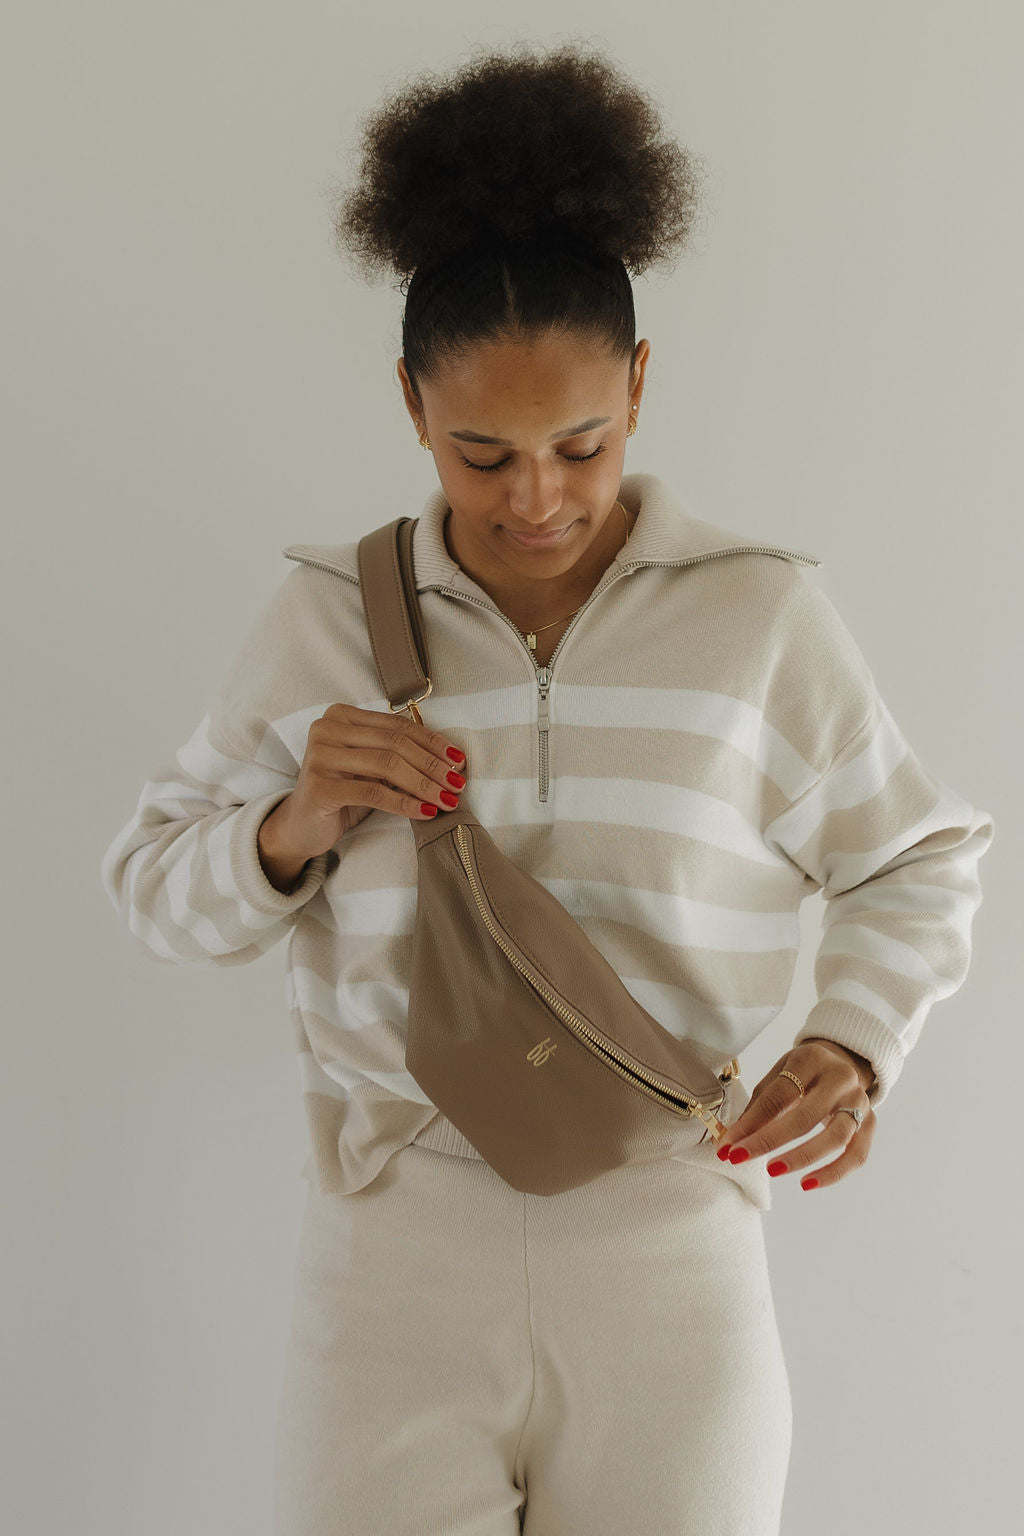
[{"x": 531, "y": 636}]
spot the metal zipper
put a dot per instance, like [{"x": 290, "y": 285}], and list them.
[
  {"x": 634, "y": 1075},
  {"x": 543, "y": 675},
  {"x": 543, "y": 683}
]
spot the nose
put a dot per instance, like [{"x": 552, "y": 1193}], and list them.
[{"x": 535, "y": 498}]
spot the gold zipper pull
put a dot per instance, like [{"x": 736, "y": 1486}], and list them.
[{"x": 711, "y": 1120}]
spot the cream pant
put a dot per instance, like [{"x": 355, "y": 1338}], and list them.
[{"x": 468, "y": 1359}]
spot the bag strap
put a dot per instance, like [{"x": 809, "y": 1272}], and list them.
[{"x": 387, "y": 583}]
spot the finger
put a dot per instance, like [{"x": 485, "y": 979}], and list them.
[
  {"x": 392, "y": 750},
  {"x": 387, "y": 764},
  {"x": 429, "y": 752},
  {"x": 430, "y": 743},
  {"x": 775, "y": 1103},
  {"x": 853, "y": 1154},
  {"x": 851, "y": 1158}
]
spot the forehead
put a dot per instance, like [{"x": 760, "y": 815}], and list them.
[{"x": 553, "y": 381}]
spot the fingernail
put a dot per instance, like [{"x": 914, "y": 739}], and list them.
[
  {"x": 808, "y": 1183},
  {"x": 448, "y": 798},
  {"x": 777, "y": 1167},
  {"x": 723, "y": 1152},
  {"x": 455, "y": 755},
  {"x": 737, "y": 1154},
  {"x": 456, "y": 779},
  {"x": 428, "y": 809}
]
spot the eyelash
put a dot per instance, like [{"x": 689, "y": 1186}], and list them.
[{"x": 489, "y": 469}]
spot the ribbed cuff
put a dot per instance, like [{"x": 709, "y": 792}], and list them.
[
  {"x": 251, "y": 883},
  {"x": 859, "y": 1031}
]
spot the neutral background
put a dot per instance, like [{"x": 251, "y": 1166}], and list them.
[{"x": 193, "y": 379}]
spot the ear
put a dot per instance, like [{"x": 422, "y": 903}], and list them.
[{"x": 412, "y": 404}]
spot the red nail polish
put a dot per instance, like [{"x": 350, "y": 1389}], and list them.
[
  {"x": 723, "y": 1152},
  {"x": 428, "y": 809},
  {"x": 456, "y": 779},
  {"x": 808, "y": 1183},
  {"x": 777, "y": 1167},
  {"x": 448, "y": 798},
  {"x": 455, "y": 755},
  {"x": 738, "y": 1154}
]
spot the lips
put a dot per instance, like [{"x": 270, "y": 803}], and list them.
[{"x": 539, "y": 540}]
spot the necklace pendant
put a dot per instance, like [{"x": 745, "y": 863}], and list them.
[{"x": 531, "y": 640}]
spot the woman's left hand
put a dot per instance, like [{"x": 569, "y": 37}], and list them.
[{"x": 778, "y": 1112}]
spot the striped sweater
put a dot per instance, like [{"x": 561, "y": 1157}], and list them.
[{"x": 706, "y": 747}]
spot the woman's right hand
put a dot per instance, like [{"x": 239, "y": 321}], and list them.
[{"x": 362, "y": 760}]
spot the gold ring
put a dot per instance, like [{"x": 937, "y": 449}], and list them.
[{"x": 787, "y": 1073}]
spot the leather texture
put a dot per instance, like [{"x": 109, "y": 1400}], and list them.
[{"x": 519, "y": 1029}]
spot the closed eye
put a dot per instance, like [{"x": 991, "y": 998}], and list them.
[{"x": 489, "y": 469}]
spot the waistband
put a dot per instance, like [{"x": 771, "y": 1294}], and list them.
[{"x": 440, "y": 1135}]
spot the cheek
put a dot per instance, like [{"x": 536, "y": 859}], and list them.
[
  {"x": 472, "y": 505},
  {"x": 607, "y": 479}
]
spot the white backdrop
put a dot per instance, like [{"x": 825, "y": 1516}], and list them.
[{"x": 193, "y": 379}]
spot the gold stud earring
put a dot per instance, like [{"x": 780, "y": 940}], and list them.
[
  {"x": 424, "y": 440},
  {"x": 631, "y": 428}
]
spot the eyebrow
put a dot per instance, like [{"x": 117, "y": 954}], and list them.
[{"x": 503, "y": 442}]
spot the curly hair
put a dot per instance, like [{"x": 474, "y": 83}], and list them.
[{"x": 512, "y": 197}]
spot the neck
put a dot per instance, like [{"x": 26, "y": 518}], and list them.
[{"x": 530, "y": 602}]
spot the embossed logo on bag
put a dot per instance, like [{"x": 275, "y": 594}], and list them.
[{"x": 539, "y": 1054}]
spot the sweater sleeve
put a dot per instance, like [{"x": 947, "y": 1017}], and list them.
[
  {"x": 184, "y": 874},
  {"x": 895, "y": 852}
]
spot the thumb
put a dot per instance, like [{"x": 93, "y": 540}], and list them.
[
  {"x": 737, "y": 1097},
  {"x": 747, "y": 1114}
]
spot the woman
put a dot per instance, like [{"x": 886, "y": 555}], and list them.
[{"x": 664, "y": 722}]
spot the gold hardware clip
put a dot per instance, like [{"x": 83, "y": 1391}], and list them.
[{"x": 410, "y": 704}]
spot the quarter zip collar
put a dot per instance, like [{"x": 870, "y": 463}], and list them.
[{"x": 664, "y": 534}]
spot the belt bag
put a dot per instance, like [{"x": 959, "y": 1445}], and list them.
[{"x": 519, "y": 1030}]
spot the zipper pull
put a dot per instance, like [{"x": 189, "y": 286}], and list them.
[
  {"x": 711, "y": 1120},
  {"x": 543, "y": 683}
]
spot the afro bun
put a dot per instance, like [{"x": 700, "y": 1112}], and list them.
[{"x": 513, "y": 148}]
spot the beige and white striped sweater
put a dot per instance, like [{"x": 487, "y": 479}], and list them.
[{"x": 706, "y": 747}]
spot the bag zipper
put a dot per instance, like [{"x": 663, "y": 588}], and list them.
[{"x": 619, "y": 1063}]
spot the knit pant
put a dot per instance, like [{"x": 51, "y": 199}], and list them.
[{"x": 468, "y": 1359}]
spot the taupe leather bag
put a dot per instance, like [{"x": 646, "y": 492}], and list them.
[{"x": 519, "y": 1030}]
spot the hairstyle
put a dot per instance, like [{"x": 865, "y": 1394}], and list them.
[{"x": 512, "y": 197}]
